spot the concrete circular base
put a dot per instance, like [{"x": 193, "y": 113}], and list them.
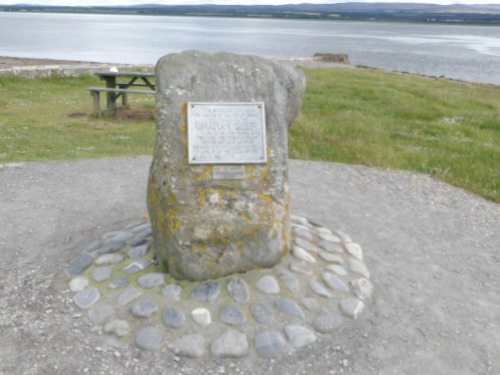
[{"x": 264, "y": 312}]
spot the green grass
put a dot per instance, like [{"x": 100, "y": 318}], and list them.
[
  {"x": 359, "y": 116},
  {"x": 51, "y": 119},
  {"x": 445, "y": 128}
]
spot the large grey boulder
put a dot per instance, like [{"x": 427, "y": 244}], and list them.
[{"x": 206, "y": 226}]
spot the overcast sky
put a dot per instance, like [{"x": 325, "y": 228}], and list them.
[{"x": 227, "y": 2}]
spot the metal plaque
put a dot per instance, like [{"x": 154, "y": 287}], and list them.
[
  {"x": 226, "y": 133},
  {"x": 228, "y": 172}
]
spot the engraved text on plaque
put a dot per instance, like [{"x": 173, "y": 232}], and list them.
[{"x": 226, "y": 133}]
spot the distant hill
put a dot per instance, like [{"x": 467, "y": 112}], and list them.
[{"x": 400, "y": 12}]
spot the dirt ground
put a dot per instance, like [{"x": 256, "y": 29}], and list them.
[{"x": 432, "y": 250}]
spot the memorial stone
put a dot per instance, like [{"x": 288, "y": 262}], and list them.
[{"x": 218, "y": 194}]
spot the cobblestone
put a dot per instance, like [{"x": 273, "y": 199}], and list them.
[{"x": 269, "y": 312}]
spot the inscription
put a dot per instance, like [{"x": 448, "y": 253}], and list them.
[
  {"x": 226, "y": 133},
  {"x": 228, "y": 172}
]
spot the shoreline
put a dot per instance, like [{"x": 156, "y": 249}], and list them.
[{"x": 35, "y": 67}]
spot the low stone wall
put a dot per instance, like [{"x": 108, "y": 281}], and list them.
[{"x": 32, "y": 72}]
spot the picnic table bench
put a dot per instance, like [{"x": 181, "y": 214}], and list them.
[{"x": 116, "y": 89}]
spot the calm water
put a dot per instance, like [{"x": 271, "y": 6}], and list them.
[{"x": 463, "y": 52}]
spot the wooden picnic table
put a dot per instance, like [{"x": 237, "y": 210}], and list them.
[{"x": 120, "y": 84}]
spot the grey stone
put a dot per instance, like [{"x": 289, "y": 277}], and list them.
[
  {"x": 302, "y": 232},
  {"x": 238, "y": 290},
  {"x": 362, "y": 288},
  {"x": 269, "y": 344},
  {"x": 112, "y": 247},
  {"x": 151, "y": 280},
  {"x": 138, "y": 252},
  {"x": 310, "y": 303},
  {"x": 201, "y": 316},
  {"x": 137, "y": 242},
  {"x": 258, "y": 205},
  {"x": 172, "y": 291},
  {"x": 135, "y": 224},
  {"x": 331, "y": 258},
  {"x": 173, "y": 317},
  {"x": 93, "y": 246},
  {"x": 352, "y": 307},
  {"x": 80, "y": 264},
  {"x": 334, "y": 282},
  {"x": 109, "y": 259},
  {"x": 206, "y": 292},
  {"x": 355, "y": 250},
  {"x": 121, "y": 237},
  {"x": 146, "y": 233},
  {"x": 232, "y": 344},
  {"x": 358, "y": 267},
  {"x": 191, "y": 346},
  {"x": 108, "y": 235},
  {"x": 137, "y": 266},
  {"x": 118, "y": 327},
  {"x": 232, "y": 315},
  {"x": 289, "y": 307},
  {"x": 339, "y": 270},
  {"x": 149, "y": 338},
  {"x": 262, "y": 313},
  {"x": 289, "y": 279},
  {"x": 142, "y": 228},
  {"x": 305, "y": 244},
  {"x": 302, "y": 254},
  {"x": 101, "y": 314},
  {"x": 299, "y": 336},
  {"x": 128, "y": 296},
  {"x": 319, "y": 289},
  {"x": 144, "y": 308},
  {"x": 102, "y": 273},
  {"x": 87, "y": 297},
  {"x": 327, "y": 322},
  {"x": 331, "y": 247},
  {"x": 300, "y": 268},
  {"x": 268, "y": 285},
  {"x": 79, "y": 283},
  {"x": 120, "y": 282}
]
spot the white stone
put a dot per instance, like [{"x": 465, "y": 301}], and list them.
[
  {"x": 79, "y": 283},
  {"x": 201, "y": 316},
  {"x": 302, "y": 254},
  {"x": 362, "y": 288},
  {"x": 319, "y": 289},
  {"x": 329, "y": 237},
  {"x": 268, "y": 284},
  {"x": 355, "y": 250},
  {"x": 323, "y": 230},
  {"x": 299, "y": 336},
  {"x": 359, "y": 268},
  {"x": 335, "y": 282},
  {"x": 339, "y": 270},
  {"x": 352, "y": 307},
  {"x": 331, "y": 258}
]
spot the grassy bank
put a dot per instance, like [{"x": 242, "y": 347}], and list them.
[{"x": 361, "y": 116}]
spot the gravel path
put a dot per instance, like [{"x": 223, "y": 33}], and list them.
[{"x": 432, "y": 251}]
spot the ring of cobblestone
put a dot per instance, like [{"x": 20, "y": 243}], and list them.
[{"x": 268, "y": 312}]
